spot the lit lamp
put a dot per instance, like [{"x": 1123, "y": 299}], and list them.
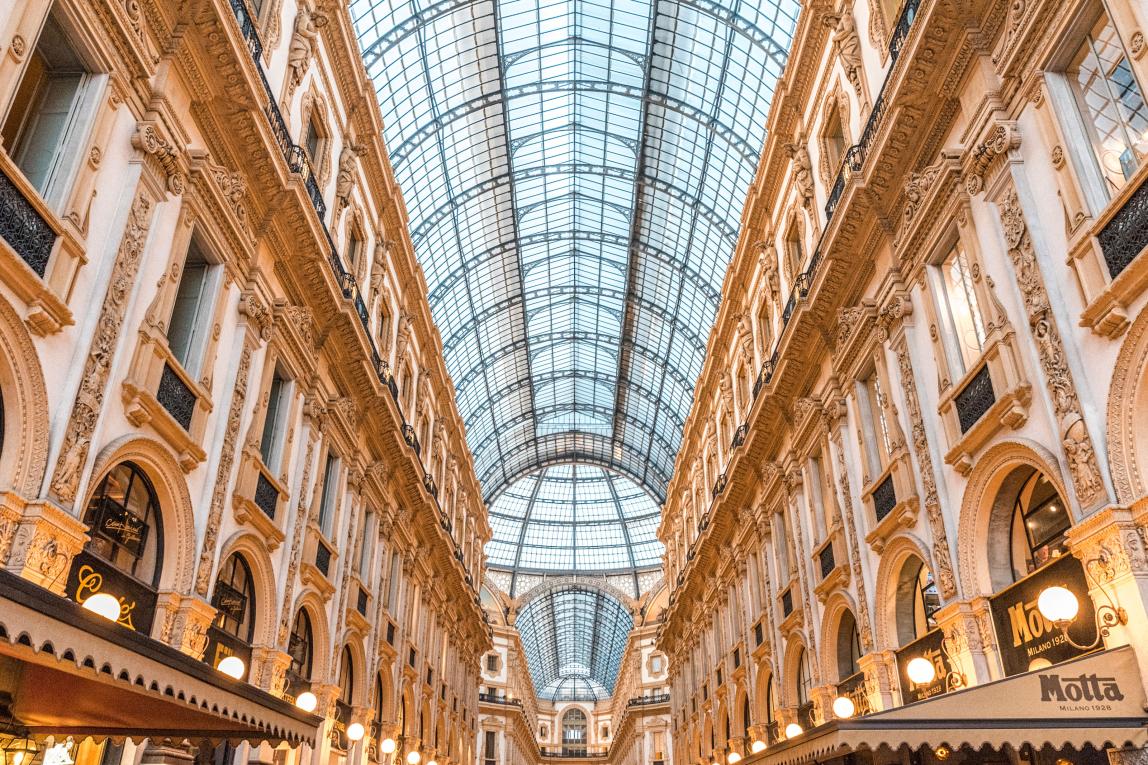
[
  {"x": 355, "y": 732},
  {"x": 232, "y": 666},
  {"x": 843, "y": 706},
  {"x": 921, "y": 671},
  {"x": 733, "y": 758},
  {"x": 388, "y": 746},
  {"x": 413, "y": 757},
  {"x": 793, "y": 730},
  {"x": 17, "y": 747},
  {"x": 307, "y": 701},
  {"x": 1060, "y": 606},
  {"x": 758, "y": 746},
  {"x": 103, "y": 604},
  {"x": 432, "y": 761}
]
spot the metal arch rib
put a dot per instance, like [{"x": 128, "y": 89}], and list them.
[
  {"x": 560, "y": 457},
  {"x": 455, "y": 201},
  {"x": 625, "y": 533},
  {"x": 522, "y": 534},
  {"x": 701, "y": 283},
  {"x": 707, "y": 124}
]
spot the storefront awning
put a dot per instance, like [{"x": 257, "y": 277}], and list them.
[
  {"x": 1097, "y": 700},
  {"x": 72, "y": 672}
]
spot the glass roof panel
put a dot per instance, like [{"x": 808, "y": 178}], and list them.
[{"x": 574, "y": 173}]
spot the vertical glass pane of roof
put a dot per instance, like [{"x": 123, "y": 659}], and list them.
[{"x": 575, "y": 172}]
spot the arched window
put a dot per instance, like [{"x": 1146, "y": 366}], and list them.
[
  {"x": 234, "y": 599},
  {"x": 123, "y": 516},
  {"x": 346, "y": 676},
  {"x": 848, "y": 647},
  {"x": 1039, "y": 522},
  {"x": 770, "y": 711},
  {"x": 301, "y": 646},
  {"x": 804, "y": 680},
  {"x": 377, "y": 719},
  {"x": 746, "y": 716},
  {"x": 917, "y": 601},
  {"x": 574, "y": 727}
]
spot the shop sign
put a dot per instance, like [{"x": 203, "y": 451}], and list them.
[
  {"x": 931, "y": 647},
  {"x": 91, "y": 574},
  {"x": 230, "y": 601},
  {"x": 117, "y": 524},
  {"x": 222, "y": 644},
  {"x": 1027, "y": 641},
  {"x": 856, "y": 690}
]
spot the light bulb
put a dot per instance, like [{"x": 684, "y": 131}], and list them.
[
  {"x": 307, "y": 701},
  {"x": 758, "y": 746},
  {"x": 355, "y": 731},
  {"x": 232, "y": 666},
  {"x": 843, "y": 707},
  {"x": 105, "y": 605},
  {"x": 921, "y": 671},
  {"x": 432, "y": 762},
  {"x": 414, "y": 758},
  {"x": 388, "y": 746},
  {"x": 1058, "y": 604},
  {"x": 733, "y": 758},
  {"x": 793, "y": 730}
]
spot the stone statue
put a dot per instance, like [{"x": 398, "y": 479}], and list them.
[{"x": 303, "y": 37}]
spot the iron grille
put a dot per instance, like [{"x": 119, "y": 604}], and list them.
[
  {"x": 827, "y": 561},
  {"x": 247, "y": 28},
  {"x": 24, "y": 228},
  {"x": 266, "y": 496},
  {"x": 323, "y": 559},
  {"x": 884, "y": 498},
  {"x": 975, "y": 399},
  {"x": 1126, "y": 235},
  {"x": 176, "y": 397}
]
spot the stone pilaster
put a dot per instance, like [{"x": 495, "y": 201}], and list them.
[
  {"x": 44, "y": 541},
  {"x": 880, "y": 667},
  {"x": 269, "y": 668},
  {"x": 962, "y": 624},
  {"x": 186, "y": 622}
]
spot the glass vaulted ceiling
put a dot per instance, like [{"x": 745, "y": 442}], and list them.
[{"x": 575, "y": 172}]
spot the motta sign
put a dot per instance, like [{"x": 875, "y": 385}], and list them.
[{"x": 1027, "y": 640}]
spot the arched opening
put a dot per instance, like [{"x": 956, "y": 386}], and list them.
[
  {"x": 301, "y": 648},
  {"x": 1040, "y": 521},
  {"x": 343, "y": 704},
  {"x": 574, "y": 731},
  {"x": 771, "y": 711},
  {"x": 803, "y": 691},
  {"x": 848, "y": 646},
  {"x": 917, "y": 600},
  {"x": 234, "y": 601},
  {"x": 377, "y": 719}
]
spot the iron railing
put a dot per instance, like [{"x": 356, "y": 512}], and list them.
[
  {"x": 23, "y": 228},
  {"x": 266, "y": 496},
  {"x": 884, "y": 498},
  {"x": 176, "y": 397},
  {"x": 976, "y": 398},
  {"x": 1126, "y": 235}
]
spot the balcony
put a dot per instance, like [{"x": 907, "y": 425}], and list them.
[
  {"x": 641, "y": 701},
  {"x": 494, "y": 698}
]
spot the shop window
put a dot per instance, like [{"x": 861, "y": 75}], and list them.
[
  {"x": 1110, "y": 103},
  {"x": 327, "y": 500},
  {"x": 848, "y": 647},
  {"x": 964, "y": 330},
  {"x": 190, "y": 322},
  {"x": 124, "y": 523},
  {"x": 275, "y": 419},
  {"x": 51, "y": 112},
  {"x": 917, "y": 601},
  {"x": 1039, "y": 523},
  {"x": 300, "y": 646},
  {"x": 234, "y": 599}
]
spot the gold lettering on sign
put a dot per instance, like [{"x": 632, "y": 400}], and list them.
[
  {"x": 129, "y": 532},
  {"x": 90, "y": 582}
]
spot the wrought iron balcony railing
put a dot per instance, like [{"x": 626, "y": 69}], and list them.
[{"x": 24, "y": 228}]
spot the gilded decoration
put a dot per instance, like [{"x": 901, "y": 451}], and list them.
[{"x": 1074, "y": 434}]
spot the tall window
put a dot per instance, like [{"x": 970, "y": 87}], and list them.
[
  {"x": 51, "y": 112},
  {"x": 123, "y": 517},
  {"x": 312, "y": 140},
  {"x": 189, "y": 326},
  {"x": 366, "y": 544},
  {"x": 234, "y": 599},
  {"x": 301, "y": 646},
  {"x": 574, "y": 726},
  {"x": 917, "y": 600},
  {"x": 848, "y": 647},
  {"x": 346, "y": 676},
  {"x": 488, "y": 751},
  {"x": 354, "y": 249},
  {"x": 328, "y": 499},
  {"x": 876, "y": 427},
  {"x": 794, "y": 254},
  {"x": 960, "y": 313},
  {"x": 378, "y": 719},
  {"x": 1111, "y": 102},
  {"x": 781, "y": 547},
  {"x": 834, "y": 139},
  {"x": 804, "y": 680},
  {"x": 274, "y": 421},
  {"x": 1039, "y": 523}
]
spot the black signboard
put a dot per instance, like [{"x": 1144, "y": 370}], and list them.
[
  {"x": 930, "y": 647},
  {"x": 854, "y": 689},
  {"x": 1027, "y": 640},
  {"x": 222, "y": 644},
  {"x": 90, "y": 574},
  {"x": 116, "y": 523},
  {"x": 230, "y": 601}
]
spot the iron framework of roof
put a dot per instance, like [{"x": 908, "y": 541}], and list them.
[{"x": 574, "y": 173}]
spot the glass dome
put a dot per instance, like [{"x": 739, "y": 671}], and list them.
[{"x": 574, "y": 518}]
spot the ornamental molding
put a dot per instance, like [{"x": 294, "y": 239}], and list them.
[
  {"x": 987, "y": 158},
  {"x": 865, "y": 621},
  {"x": 152, "y": 141}
]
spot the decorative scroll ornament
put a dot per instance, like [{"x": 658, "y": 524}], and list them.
[
  {"x": 148, "y": 140},
  {"x": 302, "y": 319},
  {"x": 942, "y": 560},
  {"x": 848, "y": 320},
  {"x": 93, "y": 383},
  {"x": 234, "y": 188},
  {"x": 1050, "y": 348},
  {"x": 226, "y": 460},
  {"x": 1001, "y": 140}
]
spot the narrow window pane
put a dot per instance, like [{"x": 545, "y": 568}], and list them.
[
  {"x": 185, "y": 330},
  {"x": 269, "y": 443},
  {"x": 966, "y": 328}
]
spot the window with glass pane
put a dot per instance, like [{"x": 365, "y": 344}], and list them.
[
  {"x": 1039, "y": 524},
  {"x": 366, "y": 542},
  {"x": 961, "y": 315},
  {"x": 328, "y": 500},
  {"x": 1111, "y": 102},
  {"x": 191, "y": 313},
  {"x": 346, "y": 676},
  {"x": 804, "y": 680},
  {"x": 312, "y": 140},
  {"x": 234, "y": 599},
  {"x": 274, "y": 420},
  {"x": 876, "y": 427},
  {"x": 848, "y": 647},
  {"x": 794, "y": 254},
  {"x": 299, "y": 646},
  {"x": 926, "y": 601},
  {"x": 124, "y": 520}
]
